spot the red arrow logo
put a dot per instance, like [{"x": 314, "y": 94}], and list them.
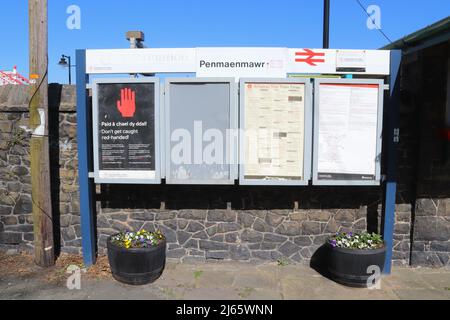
[{"x": 310, "y": 57}]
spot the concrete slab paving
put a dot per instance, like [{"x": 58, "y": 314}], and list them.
[{"x": 232, "y": 281}]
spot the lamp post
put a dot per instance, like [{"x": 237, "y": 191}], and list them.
[
  {"x": 326, "y": 24},
  {"x": 67, "y": 63}
]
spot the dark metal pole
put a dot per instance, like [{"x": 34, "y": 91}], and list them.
[
  {"x": 326, "y": 24},
  {"x": 70, "y": 70}
]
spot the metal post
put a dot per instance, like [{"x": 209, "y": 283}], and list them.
[
  {"x": 392, "y": 136},
  {"x": 84, "y": 160},
  {"x": 326, "y": 24},
  {"x": 70, "y": 71}
]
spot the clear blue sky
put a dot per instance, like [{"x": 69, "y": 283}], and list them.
[{"x": 197, "y": 23}]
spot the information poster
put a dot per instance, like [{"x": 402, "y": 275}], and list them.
[
  {"x": 126, "y": 130},
  {"x": 199, "y": 130},
  {"x": 347, "y": 133},
  {"x": 274, "y": 130}
]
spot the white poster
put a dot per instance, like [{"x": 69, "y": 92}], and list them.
[
  {"x": 274, "y": 130},
  {"x": 348, "y": 120}
]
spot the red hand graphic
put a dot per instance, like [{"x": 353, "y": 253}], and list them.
[{"x": 127, "y": 103}]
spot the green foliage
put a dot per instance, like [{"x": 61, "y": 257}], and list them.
[
  {"x": 246, "y": 292},
  {"x": 282, "y": 262},
  {"x": 197, "y": 274}
]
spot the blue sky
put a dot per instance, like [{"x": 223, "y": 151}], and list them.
[{"x": 197, "y": 23}]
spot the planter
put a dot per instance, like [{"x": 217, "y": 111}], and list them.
[
  {"x": 137, "y": 266},
  {"x": 349, "y": 266}
]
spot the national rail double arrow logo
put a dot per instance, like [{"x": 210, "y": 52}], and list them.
[{"x": 310, "y": 57}]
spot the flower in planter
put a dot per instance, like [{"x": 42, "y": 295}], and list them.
[
  {"x": 351, "y": 240},
  {"x": 140, "y": 239}
]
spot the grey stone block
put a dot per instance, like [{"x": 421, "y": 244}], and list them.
[
  {"x": 232, "y": 237},
  {"x": 182, "y": 224},
  {"x": 219, "y": 255},
  {"x": 218, "y": 238},
  {"x": 262, "y": 226},
  {"x": 195, "y": 226},
  {"x": 425, "y": 207},
  {"x": 165, "y": 215},
  {"x": 440, "y": 246},
  {"x": 289, "y": 228},
  {"x": 431, "y": 229},
  {"x": 224, "y": 227},
  {"x": 170, "y": 235},
  {"x": 200, "y": 235},
  {"x": 239, "y": 252},
  {"x": 191, "y": 244},
  {"x": 251, "y": 236},
  {"x": 192, "y": 214},
  {"x": 270, "y": 237},
  {"x": 10, "y": 238},
  {"x": 211, "y": 245},
  {"x": 24, "y": 205},
  {"x": 211, "y": 231},
  {"x": 221, "y": 216},
  {"x": 260, "y": 254},
  {"x": 183, "y": 236},
  {"x": 268, "y": 246},
  {"x": 5, "y": 210},
  {"x": 176, "y": 253},
  {"x": 288, "y": 249},
  {"x": 310, "y": 227},
  {"x": 273, "y": 219},
  {"x": 245, "y": 219},
  {"x": 427, "y": 259}
]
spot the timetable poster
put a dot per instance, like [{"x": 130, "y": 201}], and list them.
[
  {"x": 347, "y": 133},
  {"x": 274, "y": 130},
  {"x": 126, "y": 130}
]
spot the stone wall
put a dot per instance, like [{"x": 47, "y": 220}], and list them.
[
  {"x": 16, "y": 226},
  {"x": 231, "y": 222}
]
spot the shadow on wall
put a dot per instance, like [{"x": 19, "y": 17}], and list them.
[
  {"x": 178, "y": 197},
  {"x": 54, "y": 94}
]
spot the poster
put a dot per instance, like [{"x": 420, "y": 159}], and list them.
[
  {"x": 274, "y": 130},
  {"x": 199, "y": 124},
  {"x": 347, "y": 133},
  {"x": 126, "y": 130}
]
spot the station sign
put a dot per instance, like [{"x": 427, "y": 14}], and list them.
[{"x": 238, "y": 62}]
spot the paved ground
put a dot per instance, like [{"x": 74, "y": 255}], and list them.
[{"x": 217, "y": 280}]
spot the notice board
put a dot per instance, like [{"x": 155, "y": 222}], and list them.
[
  {"x": 347, "y": 131},
  {"x": 200, "y": 131},
  {"x": 275, "y": 131},
  {"x": 126, "y": 130}
]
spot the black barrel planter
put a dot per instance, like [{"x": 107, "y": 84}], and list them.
[
  {"x": 137, "y": 266},
  {"x": 349, "y": 266}
]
